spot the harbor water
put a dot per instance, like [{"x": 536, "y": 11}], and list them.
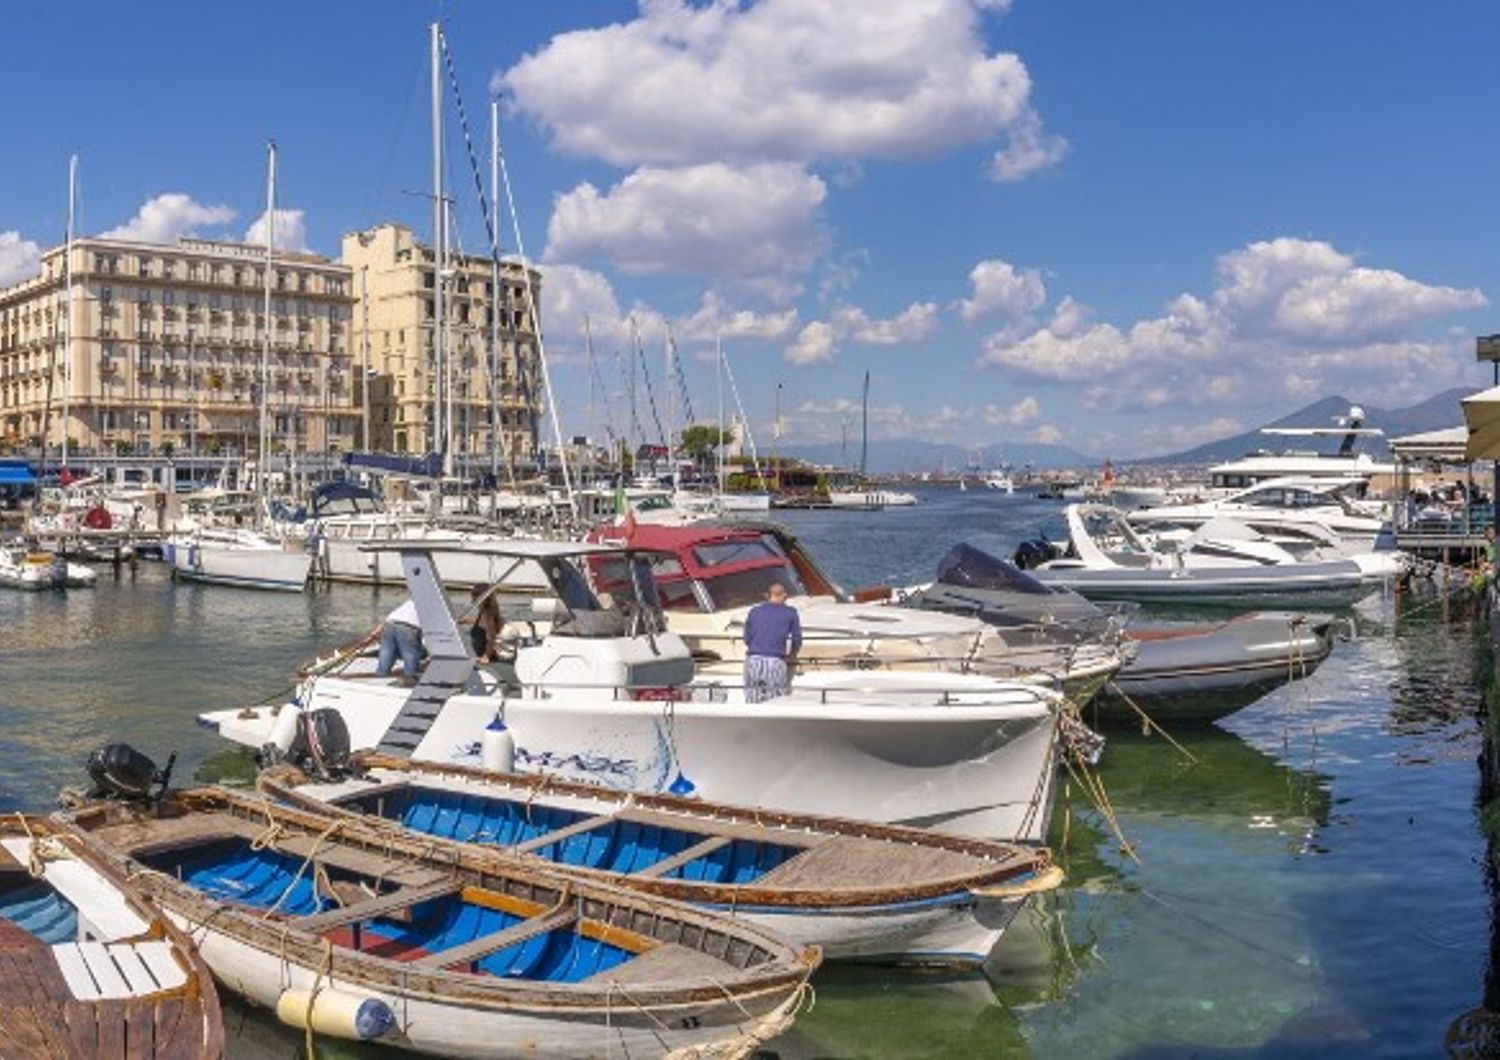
[{"x": 1312, "y": 879}]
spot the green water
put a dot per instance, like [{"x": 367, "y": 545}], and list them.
[{"x": 1313, "y": 882}]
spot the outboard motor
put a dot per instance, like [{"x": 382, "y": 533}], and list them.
[
  {"x": 1033, "y": 553},
  {"x": 119, "y": 771},
  {"x": 321, "y": 747}
]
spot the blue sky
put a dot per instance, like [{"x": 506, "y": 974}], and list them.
[{"x": 1128, "y": 227}]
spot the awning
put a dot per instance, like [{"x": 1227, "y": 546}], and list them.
[
  {"x": 1447, "y": 446},
  {"x": 16, "y": 475},
  {"x": 1482, "y": 414}
]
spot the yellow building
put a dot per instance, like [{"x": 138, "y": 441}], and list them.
[
  {"x": 393, "y": 275},
  {"x": 166, "y": 350}
]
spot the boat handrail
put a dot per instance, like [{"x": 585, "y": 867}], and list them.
[{"x": 688, "y": 693}]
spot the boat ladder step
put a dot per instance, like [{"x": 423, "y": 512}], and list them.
[{"x": 485, "y": 945}]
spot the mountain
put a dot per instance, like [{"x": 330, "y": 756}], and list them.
[
  {"x": 912, "y": 454},
  {"x": 1439, "y": 411}
]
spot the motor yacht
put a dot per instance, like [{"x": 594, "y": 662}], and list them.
[
  {"x": 609, "y": 695},
  {"x": 709, "y": 577}
]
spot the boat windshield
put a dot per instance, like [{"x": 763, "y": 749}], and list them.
[
  {"x": 747, "y": 587},
  {"x": 973, "y": 568}
]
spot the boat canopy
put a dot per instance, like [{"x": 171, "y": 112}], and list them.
[
  {"x": 16, "y": 474},
  {"x": 972, "y": 568},
  {"x": 342, "y": 498}
]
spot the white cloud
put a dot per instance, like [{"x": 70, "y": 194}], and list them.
[
  {"x": 1031, "y": 149},
  {"x": 814, "y": 345},
  {"x": 571, "y": 296},
  {"x": 1000, "y": 287},
  {"x": 1026, "y": 411},
  {"x": 1295, "y": 310},
  {"x": 715, "y": 319},
  {"x": 167, "y": 217},
  {"x": 291, "y": 230},
  {"x": 1307, "y": 290},
  {"x": 1187, "y": 435},
  {"x": 795, "y": 80},
  {"x": 1046, "y": 434},
  {"x": 712, "y": 219},
  {"x": 818, "y": 341},
  {"x": 20, "y": 258}
]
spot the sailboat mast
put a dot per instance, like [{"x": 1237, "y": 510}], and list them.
[
  {"x": 671, "y": 406},
  {"x": 265, "y": 337},
  {"x": 439, "y": 366},
  {"x": 719, "y": 415},
  {"x": 495, "y": 417},
  {"x": 67, "y": 380},
  {"x": 864, "y": 426}
]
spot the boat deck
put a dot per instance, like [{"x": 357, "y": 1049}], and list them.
[{"x": 42, "y": 1018}]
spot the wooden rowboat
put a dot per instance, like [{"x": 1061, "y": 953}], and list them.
[
  {"x": 857, "y": 890},
  {"x": 88, "y": 968},
  {"x": 377, "y": 936}
]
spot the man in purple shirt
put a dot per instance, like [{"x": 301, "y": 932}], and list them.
[{"x": 773, "y": 636}]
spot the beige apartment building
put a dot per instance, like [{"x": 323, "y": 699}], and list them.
[
  {"x": 393, "y": 275},
  {"x": 166, "y": 353}
]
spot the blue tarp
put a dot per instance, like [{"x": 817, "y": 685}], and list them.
[
  {"x": 430, "y": 465},
  {"x": 16, "y": 475}
]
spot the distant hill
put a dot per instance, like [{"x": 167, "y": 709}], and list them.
[
  {"x": 911, "y": 454},
  {"x": 1439, "y": 411}
]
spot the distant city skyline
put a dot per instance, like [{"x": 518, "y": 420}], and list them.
[{"x": 1126, "y": 228}]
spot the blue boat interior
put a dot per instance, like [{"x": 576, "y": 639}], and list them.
[
  {"x": 37, "y": 909},
  {"x": 229, "y": 870},
  {"x": 619, "y": 845}
]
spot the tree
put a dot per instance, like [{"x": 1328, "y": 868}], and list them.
[{"x": 700, "y": 440}]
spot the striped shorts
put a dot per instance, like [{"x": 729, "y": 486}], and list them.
[{"x": 766, "y": 678}]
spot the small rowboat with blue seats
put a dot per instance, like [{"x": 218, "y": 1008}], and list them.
[
  {"x": 88, "y": 969},
  {"x": 859, "y": 891},
  {"x": 376, "y": 936}
]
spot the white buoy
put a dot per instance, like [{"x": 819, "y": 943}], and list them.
[
  {"x": 337, "y": 1013},
  {"x": 497, "y": 750},
  {"x": 284, "y": 731}
]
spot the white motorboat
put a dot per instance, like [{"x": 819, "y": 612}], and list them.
[
  {"x": 871, "y": 499},
  {"x": 1223, "y": 564},
  {"x": 23, "y": 567},
  {"x": 1302, "y": 514},
  {"x": 709, "y": 577},
  {"x": 1346, "y": 463},
  {"x": 608, "y": 696},
  {"x": 759, "y": 503},
  {"x": 237, "y": 556},
  {"x": 1001, "y": 481}
]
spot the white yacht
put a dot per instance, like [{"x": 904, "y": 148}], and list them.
[
  {"x": 608, "y": 695},
  {"x": 241, "y": 557},
  {"x": 23, "y": 567},
  {"x": 1222, "y": 563},
  {"x": 1300, "y": 513},
  {"x": 1344, "y": 464}
]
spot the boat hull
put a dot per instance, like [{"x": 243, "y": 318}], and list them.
[
  {"x": 1312, "y": 586},
  {"x": 345, "y": 560},
  {"x": 246, "y": 568}
]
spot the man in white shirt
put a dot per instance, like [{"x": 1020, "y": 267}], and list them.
[{"x": 401, "y": 634}]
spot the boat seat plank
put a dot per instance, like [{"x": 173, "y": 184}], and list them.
[
  {"x": 158, "y": 959},
  {"x": 588, "y": 824},
  {"x": 101, "y": 907},
  {"x": 137, "y": 976},
  {"x": 106, "y": 973},
  {"x": 75, "y": 972},
  {"x": 379, "y": 906},
  {"x": 359, "y": 861},
  {"x": 485, "y": 945},
  {"x": 676, "y": 861},
  {"x": 849, "y": 861},
  {"x": 667, "y": 962}
]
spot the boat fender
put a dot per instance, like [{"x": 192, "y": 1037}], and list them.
[
  {"x": 284, "y": 731},
  {"x": 497, "y": 750},
  {"x": 682, "y": 787},
  {"x": 337, "y": 1013}
]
